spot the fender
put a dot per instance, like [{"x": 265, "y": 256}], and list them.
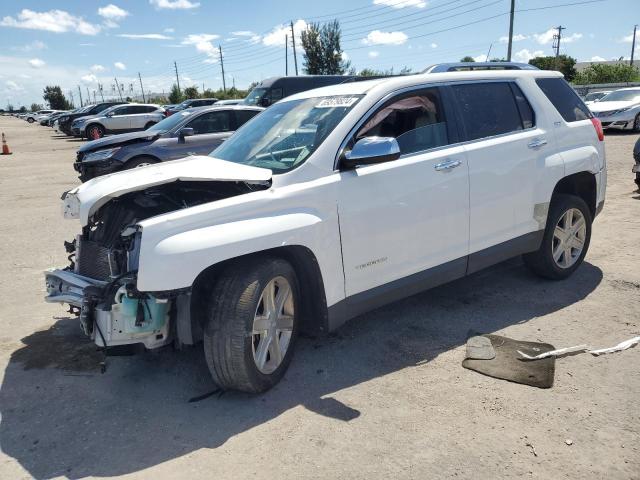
[{"x": 172, "y": 260}]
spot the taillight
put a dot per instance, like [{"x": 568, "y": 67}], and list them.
[{"x": 597, "y": 124}]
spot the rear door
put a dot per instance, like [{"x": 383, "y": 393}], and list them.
[
  {"x": 140, "y": 116},
  {"x": 505, "y": 144},
  {"x": 120, "y": 119}
]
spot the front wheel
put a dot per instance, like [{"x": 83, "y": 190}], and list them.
[
  {"x": 566, "y": 239},
  {"x": 251, "y": 324},
  {"x": 30, "y": 120},
  {"x": 636, "y": 123}
]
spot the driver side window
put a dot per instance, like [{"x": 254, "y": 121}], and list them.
[
  {"x": 212, "y": 122},
  {"x": 416, "y": 120}
]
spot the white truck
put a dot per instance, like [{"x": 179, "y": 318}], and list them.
[{"x": 328, "y": 204}]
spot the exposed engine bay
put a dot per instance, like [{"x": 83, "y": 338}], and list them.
[{"x": 100, "y": 282}]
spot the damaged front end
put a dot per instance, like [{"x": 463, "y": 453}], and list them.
[{"x": 100, "y": 282}]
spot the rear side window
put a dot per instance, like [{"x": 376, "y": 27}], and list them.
[
  {"x": 526, "y": 112},
  {"x": 488, "y": 109},
  {"x": 243, "y": 116},
  {"x": 417, "y": 121},
  {"x": 564, "y": 98}
]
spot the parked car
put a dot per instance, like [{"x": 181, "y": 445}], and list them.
[
  {"x": 191, "y": 103},
  {"x": 328, "y": 204},
  {"x": 636, "y": 158},
  {"x": 234, "y": 101},
  {"x": 595, "y": 96},
  {"x": 35, "y": 116},
  {"x": 118, "y": 119},
  {"x": 194, "y": 131},
  {"x": 47, "y": 120},
  {"x": 65, "y": 121},
  {"x": 472, "y": 66},
  {"x": 271, "y": 90},
  {"x": 619, "y": 110}
]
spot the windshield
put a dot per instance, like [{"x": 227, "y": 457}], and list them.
[
  {"x": 286, "y": 134},
  {"x": 254, "y": 96},
  {"x": 622, "y": 96},
  {"x": 169, "y": 122}
]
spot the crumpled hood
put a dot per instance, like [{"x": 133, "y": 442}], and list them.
[
  {"x": 83, "y": 201},
  {"x": 114, "y": 140},
  {"x": 609, "y": 106}
]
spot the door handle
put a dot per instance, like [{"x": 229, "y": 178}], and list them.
[
  {"x": 538, "y": 142},
  {"x": 447, "y": 165}
]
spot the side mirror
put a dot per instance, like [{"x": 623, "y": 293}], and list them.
[
  {"x": 186, "y": 132},
  {"x": 264, "y": 102},
  {"x": 371, "y": 150}
]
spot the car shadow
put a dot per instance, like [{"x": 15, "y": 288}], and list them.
[{"x": 62, "y": 417}]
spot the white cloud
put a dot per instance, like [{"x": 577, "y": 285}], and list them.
[
  {"x": 480, "y": 58},
  {"x": 33, "y": 46},
  {"x": 597, "y": 58},
  {"x": 90, "y": 78},
  {"x": 243, "y": 33},
  {"x": 13, "y": 85},
  {"x": 276, "y": 37},
  {"x": 518, "y": 37},
  {"x": 57, "y": 21},
  {"x": 120, "y": 66},
  {"x": 629, "y": 38},
  {"x": 401, "y": 3},
  {"x": 36, "y": 63},
  {"x": 525, "y": 55},
  {"x": 202, "y": 42},
  {"x": 169, "y": 30},
  {"x": 434, "y": 45},
  {"x": 97, "y": 68},
  {"x": 147, "y": 36},
  {"x": 385, "y": 38},
  {"x": 174, "y": 4},
  {"x": 113, "y": 12},
  {"x": 374, "y": 54},
  {"x": 547, "y": 37}
]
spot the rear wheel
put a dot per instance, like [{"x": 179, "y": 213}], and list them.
[
  {"x": 148, "y": 125},
  {"x": 566, "y": 239},
  {"x": 251, "y": 324},
  {"x": 94, "y": 131},
  {"x": 636, "y": 123},
  {"x": 30, "y": 120}
]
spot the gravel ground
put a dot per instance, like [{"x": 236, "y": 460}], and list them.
[{"x": 386, "y": 397}]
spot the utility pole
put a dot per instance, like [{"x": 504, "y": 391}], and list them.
[
  {"x": 224, "y": 83},
  {"x": 286, "y": 55},
  {"x": 100, "y": 90},
  {"x": 88, "y": 96},
  {"x": 489, "y": 52},
  {"x": 80, "y": 92},
  {"x": 293, "y": 39},
  {"x": 118, "y": 87},
  {"x": 72, "y": 101},
  {"x": 633, "y": 44},
  {"x": 177, "y": 77},
  {"x": 144, "y": 100},
  {"x": 513, "y": 7},
  {"x": 556, "y": 43},
  {"x": 94, "y": 97}
]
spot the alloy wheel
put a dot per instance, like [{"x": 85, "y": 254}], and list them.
[
  {"x": 568, "y": 238},
  {"x": 272, "y": 325}
]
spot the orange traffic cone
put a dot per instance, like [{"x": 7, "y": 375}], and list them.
[{"x": 5, "y": 147}]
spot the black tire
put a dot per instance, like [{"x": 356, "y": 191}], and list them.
[
  {"x": 636, "y": 123},
  {"x": 94, "y": 131},
  {"x": 139, "y": 162},
  {"x": 30, "y": 120},
  {"x": 541, "y": 261},
  {"x": 229, "y": 313},
  {"x": 148, "y": 125}
]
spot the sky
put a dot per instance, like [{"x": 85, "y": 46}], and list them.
[{"x": 83, "y": 45}]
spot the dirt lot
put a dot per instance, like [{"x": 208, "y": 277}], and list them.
[{"x": 384, "y": 398}]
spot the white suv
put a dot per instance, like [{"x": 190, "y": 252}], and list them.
[
  {"x": 328, "y": 204},
  {"x": 118, "y": 119}
]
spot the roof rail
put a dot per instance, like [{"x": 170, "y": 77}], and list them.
[{"x": 470, "y": 66}]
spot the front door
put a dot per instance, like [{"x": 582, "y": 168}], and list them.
[{"x": 410, "y": 215}]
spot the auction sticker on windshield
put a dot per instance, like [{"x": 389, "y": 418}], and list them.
[{"x": 333, "y": 102}]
